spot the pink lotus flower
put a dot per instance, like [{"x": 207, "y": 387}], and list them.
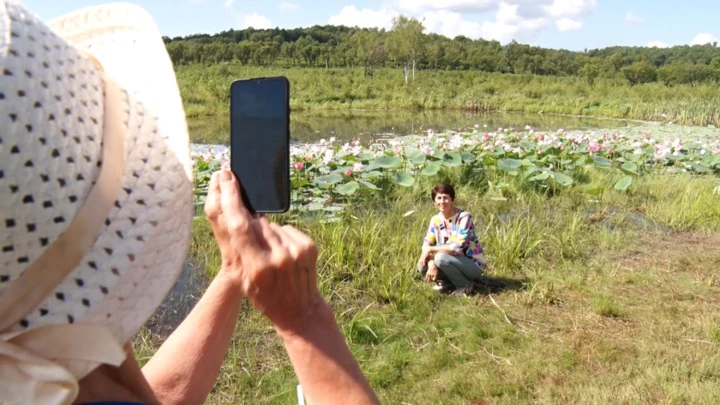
[
  {"x": 348, "y": 172},
  {"x": 299, "y": 165}
]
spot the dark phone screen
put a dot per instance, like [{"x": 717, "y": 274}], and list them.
[{"x": 259, "y": 142}]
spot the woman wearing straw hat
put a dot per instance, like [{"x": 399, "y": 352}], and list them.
[{"x": 96, "y": 210}]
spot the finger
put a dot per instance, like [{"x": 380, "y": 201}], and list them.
[
  {"x": 235, "y": 213},
  {"x": 298, "y": 271},
  {"x": 212, "y": 200},
  {"x": 277, "y": 235},
  {"x": 267, "y": 236},
  {"x": 303, "y": 242},
  {"x": 309, "y": 253},
  {"x": 289, "y": 240}
]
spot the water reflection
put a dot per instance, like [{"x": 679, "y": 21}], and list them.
[
  {"x": 190, "y": 285},
  {"x": 366, "y": 125}
]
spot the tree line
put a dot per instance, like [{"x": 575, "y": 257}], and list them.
[{"x": 409, "y": 47}]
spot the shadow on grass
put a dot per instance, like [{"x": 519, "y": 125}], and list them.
[{"x": 494, "y": 285}]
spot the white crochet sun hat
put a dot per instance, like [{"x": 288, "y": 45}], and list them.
[{"x": 96, "y": 186}]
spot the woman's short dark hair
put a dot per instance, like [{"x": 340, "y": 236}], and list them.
[{"x": 443, "y": 188}]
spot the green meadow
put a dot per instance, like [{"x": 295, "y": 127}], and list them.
[
  {"x": 604, "y": 243},
  {"x": 205, "y": 90},
  {"x": 610, "y": 288}
]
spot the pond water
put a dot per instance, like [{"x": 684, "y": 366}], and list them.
[{"x": 366, "y": 125}]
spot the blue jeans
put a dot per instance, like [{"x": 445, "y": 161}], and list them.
[{"x": 460, "y": 270}]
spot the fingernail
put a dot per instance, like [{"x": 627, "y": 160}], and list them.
[{"x": 225, "y": 175}]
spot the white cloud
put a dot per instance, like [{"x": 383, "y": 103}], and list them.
[
  {"x": 525, "y": 8},
  {"x": 448, "y": 5},
  {"x": 451, "y": 24},
  {"x": 287, "y": 6},
  {"x": 499, "y": 31},
  {"x": 365, "y": 18},
  {"x": 570, "y": 8},
  {"x": 228, "y": 3},
  {"x": 658, "y": 44},
  {"x": 632, "y": 19},
  {"x": 255, "y": 20},
  {"x": 508, "y": 25},
  {"x": 704, "y": 38},
  {"x": 513, "y": 19},
  {"x": 567, "y": 24}
]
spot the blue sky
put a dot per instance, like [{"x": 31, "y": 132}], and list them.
[{"x": 568, "y": 24}]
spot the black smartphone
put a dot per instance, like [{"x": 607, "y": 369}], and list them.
[{"x": 260, "y": 142}]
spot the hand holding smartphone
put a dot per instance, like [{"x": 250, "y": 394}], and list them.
[{"x": 260, "y": 142}]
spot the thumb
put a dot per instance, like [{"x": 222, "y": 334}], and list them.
[{"x": 232, "y": 206}]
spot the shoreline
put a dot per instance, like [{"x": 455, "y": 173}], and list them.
[{"x": 455, "y": 110}]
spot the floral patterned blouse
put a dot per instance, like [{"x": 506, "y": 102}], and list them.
[{"x": 458, "y": 232}]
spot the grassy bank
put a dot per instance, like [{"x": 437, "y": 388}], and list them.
[
  {"x": 205, "y": 90},
  {"x": 610, "y": 290},
  {"x": 610, "y": 300}
]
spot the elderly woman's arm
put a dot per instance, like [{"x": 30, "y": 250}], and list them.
[
  {"x": 185, "y": 368},
  {"x": 275, "y": 267}
]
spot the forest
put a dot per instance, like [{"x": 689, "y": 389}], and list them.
[{"x": 407, "y": 46}]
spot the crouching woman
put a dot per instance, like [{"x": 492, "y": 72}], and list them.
[{"x": 452, "y": 257}]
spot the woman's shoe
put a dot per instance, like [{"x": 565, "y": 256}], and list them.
[
  {"x": 463, "y": 291},
  {"x": 443, "y": 287}
]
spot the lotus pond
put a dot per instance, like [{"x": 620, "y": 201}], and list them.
[
  {"x": 367, "y": 125},
  {"x": 328, "y": 174},
  {"x": 611, "y": 282}
]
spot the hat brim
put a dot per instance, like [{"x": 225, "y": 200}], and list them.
[{"x": 126, "y": 42}]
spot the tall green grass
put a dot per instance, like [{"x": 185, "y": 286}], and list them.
[
  {"x": 205, "y": 90},
  {"x": 610, "y": 299}
]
